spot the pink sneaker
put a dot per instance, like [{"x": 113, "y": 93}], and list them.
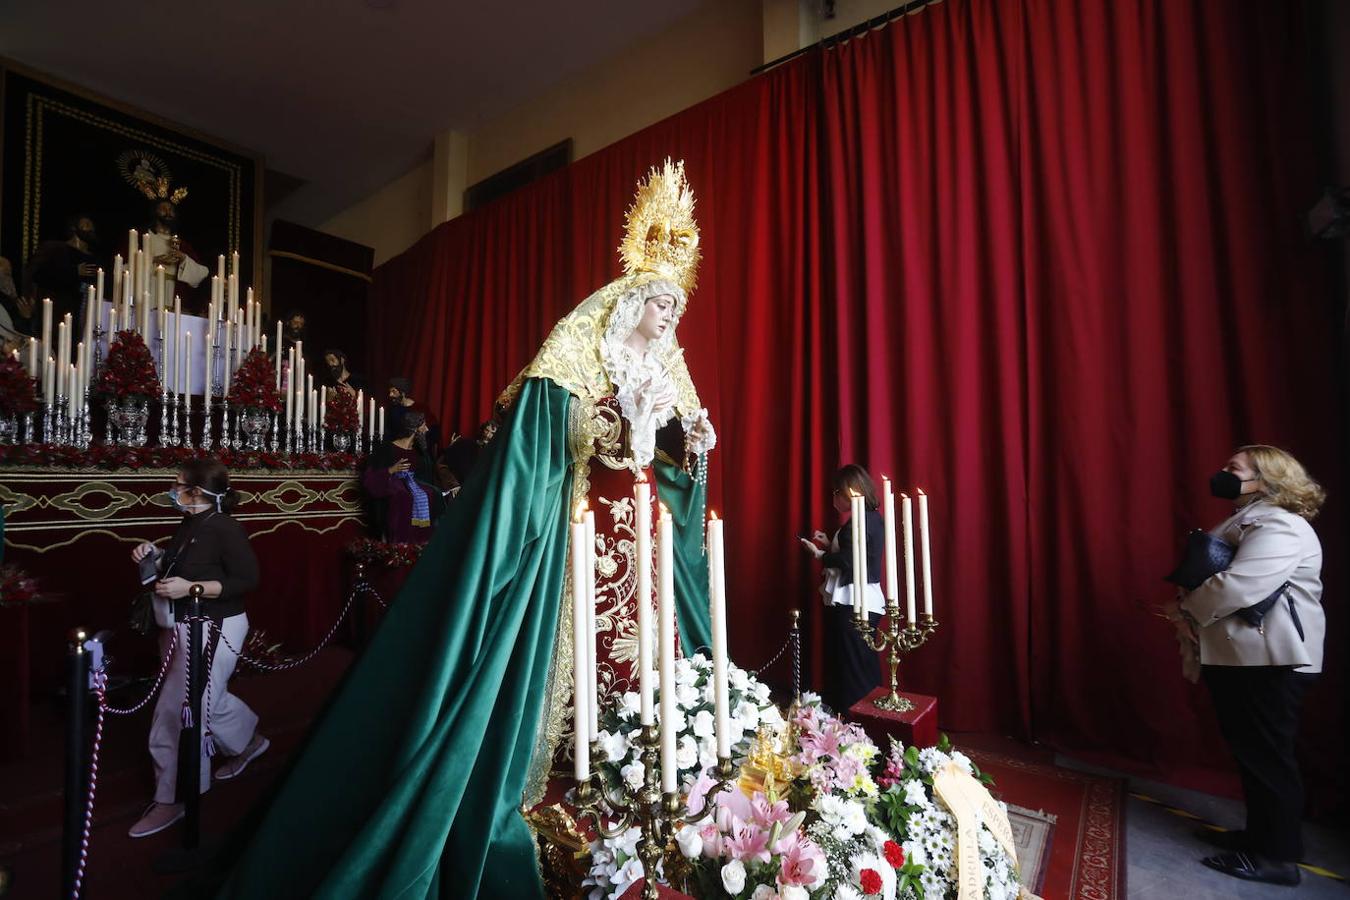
[{"x": 157, "y": 817}]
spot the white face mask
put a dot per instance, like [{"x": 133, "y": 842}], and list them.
[{"x": 192, "y": 507}]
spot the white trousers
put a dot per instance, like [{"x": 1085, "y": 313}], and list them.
[{"x": 232, "y": 722}]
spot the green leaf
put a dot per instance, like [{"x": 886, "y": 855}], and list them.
[{"x": 944, "y": 743}]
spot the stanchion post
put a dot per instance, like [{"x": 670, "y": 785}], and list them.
[
  {"x": 190, "y": 760},
  {"x": 360, "y": 615},
  {"x": 77, "y": 758},
  {"x": 795, "y": 635}
]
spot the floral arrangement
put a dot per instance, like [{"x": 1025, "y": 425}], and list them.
[
  {"x": 383, "y": 553},
  {"x": 17, "y": 587},
  {"x": 340, "y": 415},
  {"x": 18, "y": 390},
  {"x": 818, "y": 812},
  {"x": 129, "y": 370},
  {"x": 254, "y": 385},
  {"x": 102, "y": 456},
  {"x": 696, "y": 745}
]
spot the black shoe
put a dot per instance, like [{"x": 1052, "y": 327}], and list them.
[
  {"x": 1224, "y": 840},
  {"x": 1251, "y": 867}
]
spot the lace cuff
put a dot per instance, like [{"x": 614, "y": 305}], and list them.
[{"x": 704, "y": 443}]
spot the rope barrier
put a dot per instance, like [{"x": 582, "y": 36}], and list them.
[{"x": 99, "y": 685}]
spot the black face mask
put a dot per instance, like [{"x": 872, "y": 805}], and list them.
[{"x": 1226, "y": 486}]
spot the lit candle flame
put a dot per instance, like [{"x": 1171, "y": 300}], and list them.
[
  {"x": 920, "y": 491},
  {"x": 581, "y": 509},
  {"x": 904, "y": 496},
  {"x": 853, "y": 493},
  {"x": 712, "y": 514},
  {"x": 641, "y": 477},
  {"x": 885, "y": 478}
]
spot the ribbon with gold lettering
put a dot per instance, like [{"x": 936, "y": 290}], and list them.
[{"x": 970, "y": 803}]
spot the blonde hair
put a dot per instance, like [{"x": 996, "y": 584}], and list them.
[{"x": 1287, "y": 483}]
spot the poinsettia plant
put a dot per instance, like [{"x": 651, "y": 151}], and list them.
[
  {"x": 129, "y": 371},
  {"x": 254, "y": 386},
  {"x": 341, "y": 413},
  {"x": 18, "y": 395},
  {"x": 386, "y": 554}
]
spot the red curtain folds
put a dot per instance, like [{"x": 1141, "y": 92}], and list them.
[{"x": 1039, "y": 257}]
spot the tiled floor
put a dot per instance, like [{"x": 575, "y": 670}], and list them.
[{"x": 1164, "y": 857}]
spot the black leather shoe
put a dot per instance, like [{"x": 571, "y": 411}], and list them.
[
  {"x": 1224, "y": 840},
  {"x": 1251, "y": 867}
]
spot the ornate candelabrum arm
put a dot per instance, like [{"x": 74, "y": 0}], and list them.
[{"x": 899, "y": 641}]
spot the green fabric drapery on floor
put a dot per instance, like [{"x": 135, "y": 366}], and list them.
[{"x": 410, "y": 784}]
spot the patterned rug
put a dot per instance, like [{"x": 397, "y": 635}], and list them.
[{"x": 1081, "y": 818}]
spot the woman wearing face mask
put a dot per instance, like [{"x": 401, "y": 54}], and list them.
[
  {"x": 1258, "y": 674},
  {"x": 210, "y": 549},
  {"x": 401, "y": 479}
]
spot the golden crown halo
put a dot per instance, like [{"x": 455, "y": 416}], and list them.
[{"x": 660, "y": 234}]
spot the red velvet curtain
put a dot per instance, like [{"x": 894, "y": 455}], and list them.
[{"x": 1039, "y": 257}]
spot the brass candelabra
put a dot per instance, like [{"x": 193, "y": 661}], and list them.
[
  {"x": 899, "y": 641},
  {"x": 658, "y": 814}
]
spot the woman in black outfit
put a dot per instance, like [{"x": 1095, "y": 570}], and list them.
[
  {"x": 211, "y": 549},
  {"x": 855, "y": 668}
]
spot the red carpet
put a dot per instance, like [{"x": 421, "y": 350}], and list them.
[
  {"x": 121, "y": 868},
  {"x": 1087, "y": 853}
]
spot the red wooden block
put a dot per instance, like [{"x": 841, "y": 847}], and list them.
[{"x": 915, "y": 727}]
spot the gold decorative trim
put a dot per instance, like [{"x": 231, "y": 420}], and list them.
[{"x": 46, "y": 548}]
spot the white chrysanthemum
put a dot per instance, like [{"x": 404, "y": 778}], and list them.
[
  {"x": 915, "y": 792},
  {"x": 931, "y": 759},
  {"x": 914, "y": 851},
  {"x": 987, "y": 842},
  {"x": 963, "y": 762},
  {"x": 846, "y": 892}
]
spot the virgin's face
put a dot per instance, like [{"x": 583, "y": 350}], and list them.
[{"x": 658, "y": 314}]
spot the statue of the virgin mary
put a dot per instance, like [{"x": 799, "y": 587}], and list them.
[{"x": 413, "y": 782}]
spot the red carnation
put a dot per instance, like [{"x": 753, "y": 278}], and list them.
[
  {"x": 341, "y": 412},
  {"x": 871, "y": 881},
  {"x": 129, "y": 370},
  {"x": 895, "y": 854},
  {"x": 254, "y": 385}
]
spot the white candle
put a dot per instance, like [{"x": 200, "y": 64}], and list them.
[
  {"x": 277, "y": 348},
  {"x": 717, "y": 567},
  {"x": 858, "y": 539},
  {"x": 370, "y": 423},
  {"x": 160, "y": 296},
  {"x": 220, "y": 270},
  {"x": 98, "y": 283},
  {"x": 892, "y": 568},
  {"x": 49, "y": 380},
  {"x": 926, "y": 554},
  {"x": 70, "y": 379},
  {"x": 225, "y": 357},
  {"x": 360, "y": 416},
  {"x": 313, "y": 409},
  {"x": 666, "y": 613},
  {"x": 581, "y": 748},
  {"x": 116, "y": 285},
  {"x": 145, "y": 313},
  {"x": 593, "y": 701},
  {"x": 60, "y": 367},
  {"x": 91, "y": 310},
  {"x": 33, "y": 358},
  {"x": 300, "y": 405},
  {"x": 187, "y": 372},
  {"x": 323, "y": 408},
  {"x": 380, "y": 430},
  {"x": 77, "y": 392},
  {"x": 46, "y": 334},
  {"x": 907, "y": 520},
  {"x": 646, "y": 677},
  {"x": 290, "y": 389},
  {"x": 232, "y": 286},
  {"x": 180, "y": 357}
]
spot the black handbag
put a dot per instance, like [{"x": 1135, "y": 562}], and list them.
[
  {"x": 1205, "y": 555},
  {"x": 142, "y": 618}
]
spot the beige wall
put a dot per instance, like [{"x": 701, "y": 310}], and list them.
[
  {"x": 391, "y": 219},
  {"x": 708, "y": 51},
  {"x": 703, "y": 54}
]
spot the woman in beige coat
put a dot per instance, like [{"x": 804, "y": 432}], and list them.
[{"x": 1258, "y": 674}]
